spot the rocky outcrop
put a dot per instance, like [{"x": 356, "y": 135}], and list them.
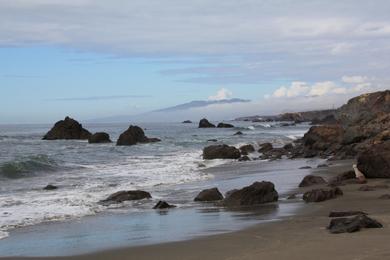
[
  {"x": 187, "y": 122},
  {"x": 257, "y": 193},
  {"x": 310, "y": 180},
  {"x": 67, "y": 129},
  {"x": 265, "y": 147},
  {"x": 212, "y": 194},
  {"x": 222, "y": 151},
  {"x": 50, "y": 187},
  {"x": 353, "y": 224},
  {"x": 122, "y": 196},
  {"x": 318, "y": 195},
  {"x": 134, "y": 135},
  {"x": 246, "y": 149},
  {"x": 274, "y": 154},
  {"x": 374, "y": 162},
  {"x": 322, "y": 139},
  {"x": 204, "y": 123},
  {"x": 99, "y": 138},
  {"x": 224, "y": 125},
  {"x": 244, "y": 158},
  {"x": 163, "y": 205}
]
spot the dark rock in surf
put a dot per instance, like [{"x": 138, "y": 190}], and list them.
[
  {"x": 246, "y": 149},
  {"x": 324, "y": 165},
  {"x": 222, "y": 151},
  {"x": 318, "y": 195},
  {"x": 204, "y": 123},
  {"x": 134, "y": 135},
  {"x": 257, "y": 193},
  {"x": 50, "y": 187},
  {"x": 67, "y": 129},
  {"x": 265, "y": 147},
  {"x": 187, "y": 122},
  {"x": 353, "y": 224},
  {"x": 163, "y": 205},
  {"x": 224, "y": 125},
  {"x": 121, "y": 196},
  {"x": 238, "y": 133},
  {"x": 99, "y": 138},
  {"x": 244, "y": 158},
  {"x": 310, "y": 180},
  {"x": 212, "y": 194},
  {"x": 305, "y": 167}
]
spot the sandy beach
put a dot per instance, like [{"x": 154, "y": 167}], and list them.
[{"x": 302, "y": 236}]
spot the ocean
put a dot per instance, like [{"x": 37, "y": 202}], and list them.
[{"x": 171, "y": 170}]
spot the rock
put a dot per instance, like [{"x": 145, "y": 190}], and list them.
[
  {"x": 134, "y": 135},
  {"x": 373, "y": 187},
  {"x": 212, "y": 194},
  {"x": 340, "y": 178},
  {"x": 246, "y": 149},
  {"x": 338, "y": 214},
  {"x": 238, "y": 133},
  {"x": 67, "y": 129},
  {"x": 257, "y": 193},
  {"x": 288, "y": 147},
  {"x": 353, "y": 134},
  {"x": 305, "y": 167},
  {"x": 187, "y": 122},
  {"x": 265, "y": 147},
  {"x": 222, "y": 151},
  {"x": 163, "y": 205},
  {"x": 230, "y": 192},
  {"x": 274, "y": 154},
  {"x": 328, "y": 120},
  {"x": 99, "y": 138},
  {"x": 385, "y": 197},
  {"x": 353, "y": 224},
  {"x": 322, "y": 165},
  {"x": 121, "y": 196},
  {"x": 375, "y": 161},
  {"x": 50, "y": 187},
  {"x": 204, "y": 123},
  {"x": 310, "y": 180},
  {"x": 224, "y": 125},
  {"x": 212, "y": 140},
  {"x": 318, "y": 195},
  {"x": 244, "y": 158}
]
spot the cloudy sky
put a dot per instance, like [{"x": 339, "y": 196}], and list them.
[{"x": 98, "y": 58}]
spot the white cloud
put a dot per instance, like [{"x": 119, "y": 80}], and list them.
[
  {"x": 352, "y": 85},
  {"x": 222, "y": 94}
]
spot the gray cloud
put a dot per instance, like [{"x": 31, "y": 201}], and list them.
[{"x": 233, "y": 41}]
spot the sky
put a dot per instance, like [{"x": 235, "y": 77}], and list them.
[{"x": 96, "y": 58}]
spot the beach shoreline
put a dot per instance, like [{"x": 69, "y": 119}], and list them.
[{"x": 301, "y": 236}]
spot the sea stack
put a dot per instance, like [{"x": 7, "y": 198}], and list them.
[
  {"x": 67, "y": 129},
  {"x": 204, "y": 123},
  {"x": 134, "y": 135}
]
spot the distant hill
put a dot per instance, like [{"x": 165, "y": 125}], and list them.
[{"x": 201, "y": 103}]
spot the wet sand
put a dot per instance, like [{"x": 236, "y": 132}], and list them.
[{"x": 302, "y": 236}]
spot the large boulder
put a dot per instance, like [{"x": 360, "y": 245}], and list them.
[
  {"x": 212, "y": 194},
  {"x": 67, "y": 129},
  {"x": 320, "y": 138},
  {"x": 352, "y": 224},
  {"x": 341, "y": 178},
  {"x": 318, "y": 195},
  {"x": 375, "y": 161},
  {"x": 122, "y": 196},
  {"x": 246, "y": 149},
  {"x": 222, "y": 151},
  {"x": 204, "y": 123},
  {"x": 99, "y": 138},
  {"x": 265, "y": 147},
  {"x": 134, "y": 135},
  {"x": 224, "y": 125},
  {"x": 310, "y": 180},
  {"x": 257, "y": 193}
]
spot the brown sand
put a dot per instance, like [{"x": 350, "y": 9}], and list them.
[{"x": 303, "y": 236}]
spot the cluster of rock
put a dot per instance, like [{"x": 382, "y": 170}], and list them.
[
  {"x": 255, "y": 194},
  {"x": 71, "y": 129},
  {"x": 204, "y": 123}
]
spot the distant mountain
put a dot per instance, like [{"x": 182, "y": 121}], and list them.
[{"x": 201, "y": 103}]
